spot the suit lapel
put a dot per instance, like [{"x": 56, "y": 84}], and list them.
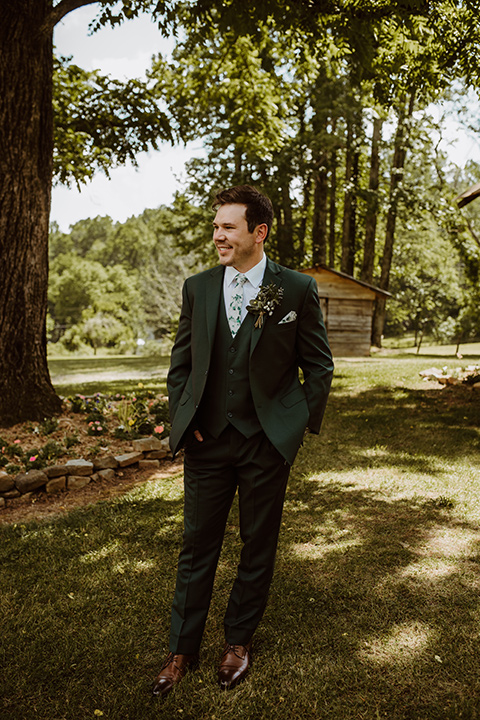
[
  {"x": 212, "y": 302},
  {"x": 271, "y": 275}
]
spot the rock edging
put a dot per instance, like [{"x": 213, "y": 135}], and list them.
[{"x": 75, "y": 474}]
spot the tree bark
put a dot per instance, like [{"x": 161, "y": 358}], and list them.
[
  {"x": 285, "y": 234},
  {"x": 350, "y": 204},
  {"x": 26, "y": 128},
  {"x": 302, "y": 231},
  {"x": 319, "y": 223},
  {"x": 400, "y": 151},
  {"x": 332, "y": 209},
  {"x": 372, "y": 205}
]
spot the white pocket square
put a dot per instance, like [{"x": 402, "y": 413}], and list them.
[{"x": 288, "y": 318}]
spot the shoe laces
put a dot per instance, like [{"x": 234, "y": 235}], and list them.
[
  {"x": 168, "y": 661},
  {"x": 235, "y": 649}
]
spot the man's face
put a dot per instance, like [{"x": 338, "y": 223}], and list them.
[{"x": 235, "y": 245}]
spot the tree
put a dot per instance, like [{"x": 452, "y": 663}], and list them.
[{"x": 26, "y": 167}]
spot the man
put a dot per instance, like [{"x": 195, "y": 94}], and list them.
[{"x": 240, "y": 411}]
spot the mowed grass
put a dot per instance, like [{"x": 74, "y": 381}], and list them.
[
  {"x": 108, "y": 374},
  {"x": 374, "y": 610}
]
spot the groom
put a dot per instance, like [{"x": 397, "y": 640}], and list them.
[{"x": 240, "y": 411}]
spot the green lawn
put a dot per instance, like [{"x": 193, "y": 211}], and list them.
[
  {"x": 109, "y": 374},
  {"x": 374, "y": 609}
]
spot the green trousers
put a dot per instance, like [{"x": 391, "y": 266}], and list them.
[{"x": 214, "y": 469}]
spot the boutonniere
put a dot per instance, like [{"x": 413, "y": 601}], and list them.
[{"x": 267, "y": 299}]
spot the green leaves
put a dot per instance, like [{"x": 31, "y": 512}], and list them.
[{"x": 101, "y": 122}]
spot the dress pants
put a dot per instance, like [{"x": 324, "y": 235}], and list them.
[{"x": 213, "y": 470}]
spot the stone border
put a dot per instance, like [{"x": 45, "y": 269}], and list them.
[{"x": 75, "y": 474}]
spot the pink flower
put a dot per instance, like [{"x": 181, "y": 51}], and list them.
[
  {"x": 33, "y": 458},
  {"x": 159, "y": 429},
  {"x": 17, "y": 442},
  {"x": 100, "y": 428}
]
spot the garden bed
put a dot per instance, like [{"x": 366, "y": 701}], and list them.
[{"x": 96, "y": 443}]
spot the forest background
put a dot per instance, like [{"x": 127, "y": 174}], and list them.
[{"x": 353, "y": 165}]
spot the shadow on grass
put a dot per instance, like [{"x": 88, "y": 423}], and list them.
[
  {"x": 374, "y": 610},
  {"x": 409, "y": 428},
  {"x": 379, "y": 606}
]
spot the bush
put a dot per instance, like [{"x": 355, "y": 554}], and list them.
[{"x": 48, "y": 426}]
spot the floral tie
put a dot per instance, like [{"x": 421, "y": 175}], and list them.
[{"x": 236, "y": 302}]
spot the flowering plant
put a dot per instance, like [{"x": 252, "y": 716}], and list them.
[
  {"x": 95, "y": 427},
  {"x": 268, "y": 297}
]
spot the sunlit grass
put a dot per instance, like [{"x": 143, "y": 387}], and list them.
[
  {"x": 109, "y": 374},
  {"x": 375, "y": 606}
]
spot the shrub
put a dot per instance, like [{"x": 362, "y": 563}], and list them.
[
  {"x": 51, "y": 450},
  {"x": 48, "y": 426},
  {"x": 71, "y": 440}
]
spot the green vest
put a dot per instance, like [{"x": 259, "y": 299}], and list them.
[{"x": 227, "y": 397}]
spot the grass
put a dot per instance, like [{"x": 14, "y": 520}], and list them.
[
  {"x": 108, "y": 374},
  {"x": 375, "y": 606}
]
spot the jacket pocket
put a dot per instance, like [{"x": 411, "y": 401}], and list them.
[
  {"x": 293, "y": 397},
  {"x": 185, "y": 397}
]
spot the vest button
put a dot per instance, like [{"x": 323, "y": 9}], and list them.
[
  {"x": 230, "y": 372},
  {"x": 230, "y": 414},
  {"x": 232, "y": 350},
  {"x": 230, "y": 392}
]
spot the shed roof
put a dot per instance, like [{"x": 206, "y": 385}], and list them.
[
  {"x": 470, "y": 194},
  {"x": 348, "y": 279}
]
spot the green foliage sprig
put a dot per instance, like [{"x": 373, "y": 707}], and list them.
[{"x": 267, "y": 299}]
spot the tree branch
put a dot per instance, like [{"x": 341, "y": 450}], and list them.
[{"x": 58, "y": 12}]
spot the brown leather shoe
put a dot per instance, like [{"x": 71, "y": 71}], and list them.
[
  {"x": 234, "y": 665},
  {"x": 172, "y": 671}
]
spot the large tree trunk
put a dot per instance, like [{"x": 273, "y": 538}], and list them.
[
  {"x": 400, "y": 151},
  {"x": 26, "y": 123},
  {"x": 372, "y": 205}
]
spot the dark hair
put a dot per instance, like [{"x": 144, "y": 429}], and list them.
[{"x": 259, "y": 207}]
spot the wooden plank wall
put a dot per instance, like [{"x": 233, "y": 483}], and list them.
[
  {"x": 347, "y": 309},
  {"x": 349, "y": 326}
]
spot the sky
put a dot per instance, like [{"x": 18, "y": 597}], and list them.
[{"x": 126, "y": 51}]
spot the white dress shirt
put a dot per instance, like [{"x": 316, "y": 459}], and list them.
[{"x": 251, "y": 287}]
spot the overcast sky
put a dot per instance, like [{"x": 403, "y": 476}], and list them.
[{"x": 124, "y": 52}]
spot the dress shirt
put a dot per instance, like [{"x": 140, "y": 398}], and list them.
[{"x": 251, "y": 287}]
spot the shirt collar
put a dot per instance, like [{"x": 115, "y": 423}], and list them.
[{"x": 254, "y": 275}]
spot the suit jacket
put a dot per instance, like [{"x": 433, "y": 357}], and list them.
[{"x": 285, "y": 406}]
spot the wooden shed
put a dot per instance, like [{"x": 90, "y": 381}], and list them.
[{"x": 347, "y": 306}]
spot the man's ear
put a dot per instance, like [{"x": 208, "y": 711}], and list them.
[{"x": 261, "y": 232}]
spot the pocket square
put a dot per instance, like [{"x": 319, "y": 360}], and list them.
[{"x": 288, "y": 318}]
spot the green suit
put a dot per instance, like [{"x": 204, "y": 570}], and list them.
[{"x": 292, "y": 338}]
